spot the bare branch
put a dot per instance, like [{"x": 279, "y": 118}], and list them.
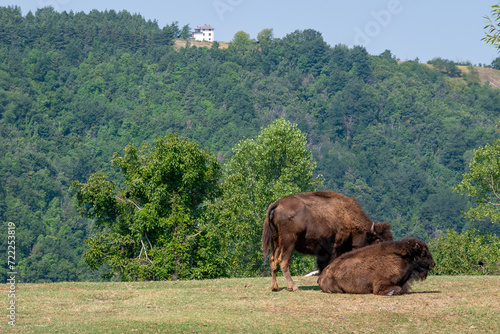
[
  {"x": 140, "y": 253},
  {"x": 194, "y": 235},
  {"x": 146, "y": 235},
  {"x": 493, "y": 188},
  {"x": 145, "y": 252},
  {"x": 128, "y": 200}
]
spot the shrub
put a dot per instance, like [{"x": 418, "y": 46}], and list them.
[{"x": 468, "y": 253}]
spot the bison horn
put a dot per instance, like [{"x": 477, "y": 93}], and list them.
[{"x": 373, "y": 228}]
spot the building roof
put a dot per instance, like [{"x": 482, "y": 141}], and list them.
[{"x": 205, "y": 27}]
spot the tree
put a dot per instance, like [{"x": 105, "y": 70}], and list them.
[
  {"x": 241, "y": 41},
  {"x": 496, "y": 63},
  {"x": 276, "y": 164},
  {"x": 148, "y": 228},
  {"x": 493, "y": 28},
  {"x": 265, "y": 36},
  {"x": 468, "y": 253},
  {"x": 185, "y": 32},
  {"x": 482, "y": 183},
  {"x": 446, "y": 66},
  {"x": 307, "y": 49}
]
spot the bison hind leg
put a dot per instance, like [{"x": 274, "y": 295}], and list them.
[
  {"x": 328, "y": 284},
  {"x": 274, "y": 269},
  {"x": 284, "y": 260}
]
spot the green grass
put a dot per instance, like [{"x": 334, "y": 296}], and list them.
[{"x": 441, "y": 304}]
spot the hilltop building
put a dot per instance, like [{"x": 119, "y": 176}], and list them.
[{"x": 203, "y": 33}]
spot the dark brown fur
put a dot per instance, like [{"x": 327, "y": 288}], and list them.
[
  {"x": 387, "y": 268},
  {"x": 322, "y": 223}
]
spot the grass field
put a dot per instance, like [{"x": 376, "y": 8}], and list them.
[{"x": 441, "y": 304}]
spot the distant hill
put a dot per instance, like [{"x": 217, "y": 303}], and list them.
[{"x": 77, "y": 87}]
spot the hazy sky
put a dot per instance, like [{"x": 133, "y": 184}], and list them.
[{"x": 410, "y": 29}]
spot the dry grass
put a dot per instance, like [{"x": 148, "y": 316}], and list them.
[
  {"x": 441, "y": 304},
  {"x": 490, "y": 75},
  {"x": 486, "y": 74},
  {"x": 181, "y": 43}
]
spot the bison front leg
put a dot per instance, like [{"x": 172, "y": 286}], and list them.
[
  {"x": 389, "y": 290},
  {"x": 324, "y": 254}
]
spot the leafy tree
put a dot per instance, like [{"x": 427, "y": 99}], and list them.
[
  {"x": 241, "y": 41},
  {"x": 493, "y": 27},
  {"x": 496, "y": 63},
  {"x": 482, "y": 183},
  {"x": 446, "y": 66},
  {"x": 467, "y": 253},
  {"x": 148, "y": 228},
  {"x": 185, "y": 32},
  {"x": 306, "y": 49},
  {"x": 265, "y": 36},
  {"x": 276, "y": 164}
]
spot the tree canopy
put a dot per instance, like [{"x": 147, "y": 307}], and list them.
[
  {"x": 482, "y": 183},
  {"x": 147, "y": 229},
  {"x": 276, "y": 164}
]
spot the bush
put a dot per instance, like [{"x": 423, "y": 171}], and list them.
[{"x": 468, "y": 253}]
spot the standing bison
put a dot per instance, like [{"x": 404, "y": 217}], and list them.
[
  {"x": 387, "y": 268},
  {"x": 322, "y": 223}
]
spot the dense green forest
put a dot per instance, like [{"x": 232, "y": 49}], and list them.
[{"x": 76, "y": 87}]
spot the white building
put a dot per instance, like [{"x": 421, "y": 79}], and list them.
[{"x": 203, "y": 33}]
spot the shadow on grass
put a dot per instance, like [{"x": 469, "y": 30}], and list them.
[
  {"x": 412, "y": 292},
  {"x": 304, "y": 288},
  {"x": 317, "y": 288},
  {"x": 310, "y": 287}
]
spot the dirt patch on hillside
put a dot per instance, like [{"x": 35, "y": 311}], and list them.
[
  {"x": 486, "y": 74},
  {"x": 181, "y": 43},
  {"x": 490, "y": 75}
]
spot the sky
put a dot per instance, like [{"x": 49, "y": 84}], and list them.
[{"x": 410, "y": 29}]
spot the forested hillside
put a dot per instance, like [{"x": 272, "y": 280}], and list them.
[{"x": 76, "y": 87}]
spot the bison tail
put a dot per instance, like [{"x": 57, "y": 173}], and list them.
[{"x": 266, "y": 230}]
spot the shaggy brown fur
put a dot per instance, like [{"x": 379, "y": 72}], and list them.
[
  {"x": 387, "y": 268},
  {"x": 322, "y": 223}
]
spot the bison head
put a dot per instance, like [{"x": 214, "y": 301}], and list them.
[
  {"x": 379, "y": 232},
  {"x": 422, "y": 258},
  {"x": 383, "y": 231}
]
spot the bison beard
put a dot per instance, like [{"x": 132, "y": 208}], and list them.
[
  {"x": 387, "y": 268},
  {"x": 323, "y": 223}
]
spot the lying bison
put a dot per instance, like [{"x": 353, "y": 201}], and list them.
[
  {"x": 387, "y": 268},
  {"x": 322, "y": 223}
]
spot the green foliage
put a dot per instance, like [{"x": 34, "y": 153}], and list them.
[
  {"x": 241, "y": 42},
  {"x": 496, "y": 63},
  {"x": 482, "y": 183},
  {"x": 446, "y": 66},
  {"x": 467, "y": 253},
  {"x": 77, "y": 87},
  {"x": 492, "y": 28},
  {"x": 265, "y": 37},
  {"x": 147, "y": 229},
  {"x": 185, "y": 32}
]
